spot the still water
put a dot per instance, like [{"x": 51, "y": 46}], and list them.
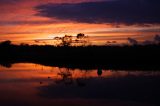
[{"x": 28, "y": 84}]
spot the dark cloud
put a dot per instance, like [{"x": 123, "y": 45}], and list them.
[
  {"x": 9, "y": 1},
  {"x": 113, "y": 11},
  {"x": 126, "y": 30},
  {"x": 155, "y": 40},
  {"x": 13, "y": 23}
]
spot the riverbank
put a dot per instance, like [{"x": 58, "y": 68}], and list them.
[{"x": 110, "y": 57}]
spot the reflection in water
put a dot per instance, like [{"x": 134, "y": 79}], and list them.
[
  {"x": 99, "y": 72},
  {"x": 66, "y": 77},
  {"x": 63, "y": 86}
]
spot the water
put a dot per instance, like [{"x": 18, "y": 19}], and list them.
[{"x": 28, "y": 84}]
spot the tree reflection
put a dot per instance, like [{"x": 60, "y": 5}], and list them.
[
  {"x": 99, "y": 72},
  {"x": 7, "y": 65},
  {"x": 67, "y": 78},
  {"x": 80, "y": 82}
]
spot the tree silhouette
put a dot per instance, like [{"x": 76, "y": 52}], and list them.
[
  {"x": 80, "y": 36},
  {"x": 66, "y": 40},
  {"x": 6, "y": 43}
]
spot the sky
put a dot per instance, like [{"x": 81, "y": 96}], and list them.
[{"x": 102, "y": 20}]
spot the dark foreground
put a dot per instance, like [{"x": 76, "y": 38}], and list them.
[{"x": 28, "y": 84}]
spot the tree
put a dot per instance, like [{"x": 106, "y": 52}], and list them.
[
  {"x": 66, "y": 40},
  {"x": 80, "y": 36},
  {"x": 132, "y": 41},
  {"x": 6, "y": 43}
]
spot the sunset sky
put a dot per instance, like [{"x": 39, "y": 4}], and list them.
[{"x": 102, "y": 20}]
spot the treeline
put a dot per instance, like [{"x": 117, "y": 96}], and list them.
[{"x": 113, "y": 57}]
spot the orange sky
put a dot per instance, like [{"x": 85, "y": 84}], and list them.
[{"x": 19, "y": 23}]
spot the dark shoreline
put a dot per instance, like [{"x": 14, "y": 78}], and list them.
[{"x": 88, "y": 57}]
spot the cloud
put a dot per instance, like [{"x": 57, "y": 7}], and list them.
[
  {"x": 127, "y": 30},
  {"x": 155, "y": 40},
  {"x": 9, "y": 1},
  {"x": 25, "y": 32},
  {"x": 114, "y": 11},
  {"x": 38, "y": 22}
]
